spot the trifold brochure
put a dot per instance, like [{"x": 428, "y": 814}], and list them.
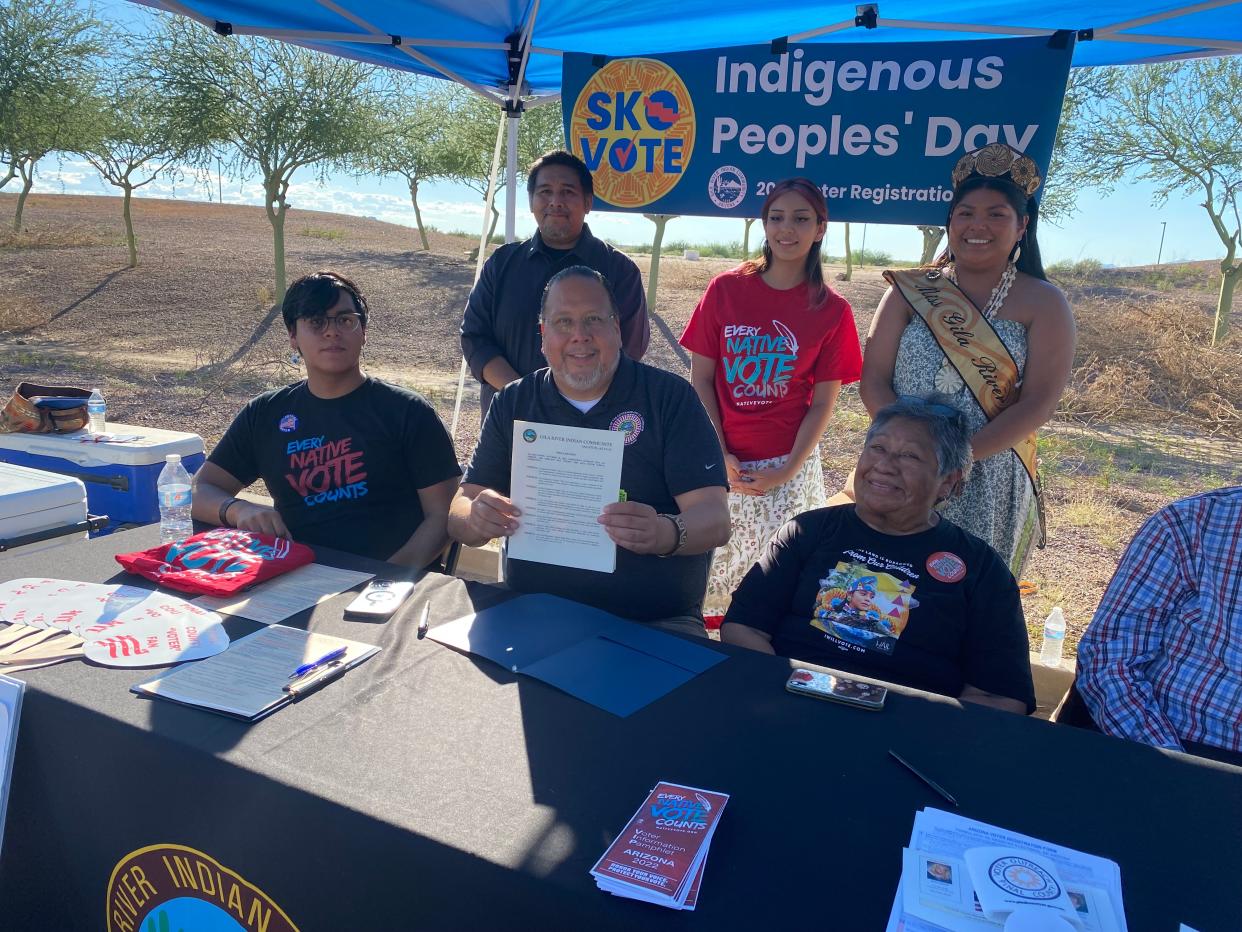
[
  {"x": 660, "y": 854},
  {"x": 258, "y": 674},
  {"x": 614, "y": 664},
  {"x": 966, "y": 876}
]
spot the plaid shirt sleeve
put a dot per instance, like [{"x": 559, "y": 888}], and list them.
[{"x": 1152, "y": 584}]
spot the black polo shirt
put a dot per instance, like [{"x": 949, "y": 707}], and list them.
[
  {"x": 670, "y": 449},
  {"x": 502, "y": 315}
]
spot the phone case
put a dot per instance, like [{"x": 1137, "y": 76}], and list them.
[
  {"x": 837, "y": 689},
  {"x": 380, "y": 598}
]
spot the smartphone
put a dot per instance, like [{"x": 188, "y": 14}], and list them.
[
  {"x": 379, "y": 599},
  {"x": 837, "y": 689}
]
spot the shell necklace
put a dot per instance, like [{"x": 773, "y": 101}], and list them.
[{"x": 996, "y": 300}]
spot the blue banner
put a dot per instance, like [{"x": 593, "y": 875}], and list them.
[{"x": 878, "y": 127}]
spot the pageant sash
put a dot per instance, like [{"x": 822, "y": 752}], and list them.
[{"x": 973, "y": 347}]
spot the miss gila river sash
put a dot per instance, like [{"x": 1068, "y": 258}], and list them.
[{"x": 975, "y": 350}]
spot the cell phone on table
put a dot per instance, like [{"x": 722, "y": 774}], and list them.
[
  {"x": 379, "y": 599},
  {"x": 837, "y": 689}
]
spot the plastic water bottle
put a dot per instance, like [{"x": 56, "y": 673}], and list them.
[
  {"x": 97, "y": 412},
  {"x": 1054, "y": 638},
  {"x": 173, "y": 486}
]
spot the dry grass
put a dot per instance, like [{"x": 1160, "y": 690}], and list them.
[
  {"x": 1146, "y": 358},
  {"x": 58, "y": 238}
]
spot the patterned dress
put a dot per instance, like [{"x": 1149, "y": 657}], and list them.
[
  {"x": 997, "y": 502},
  {"x": 755, "y": 519}
]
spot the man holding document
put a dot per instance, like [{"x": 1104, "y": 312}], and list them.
[{"x": 671, "y": 509}]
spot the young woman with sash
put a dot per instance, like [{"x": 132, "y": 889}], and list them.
[
  {"x": 984, "y": 326},
  {"x": 771, "y": 345}
]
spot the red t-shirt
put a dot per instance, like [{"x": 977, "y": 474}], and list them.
[{"x": 770, "y": 349}]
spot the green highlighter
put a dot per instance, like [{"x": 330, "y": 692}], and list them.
[{"x": 622, "y": 497}]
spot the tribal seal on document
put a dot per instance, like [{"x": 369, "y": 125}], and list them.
[{"x": 175, "y": 887}]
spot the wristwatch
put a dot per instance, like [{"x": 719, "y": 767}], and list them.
[
  {"x": 682, "y": 534},
  {"x": 224, "y": 511}
]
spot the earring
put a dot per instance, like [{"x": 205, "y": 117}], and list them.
[
  {"x": 294, "y": 358},
  {"x": 1017, "y": 252}
]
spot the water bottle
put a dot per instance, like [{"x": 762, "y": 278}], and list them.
[
  {"x": 1054, "y": 638},
  {"x": 174, "y": 494},
  {"x": 97, "y": 412}
]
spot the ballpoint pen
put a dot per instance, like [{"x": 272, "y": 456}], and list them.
[
  {"x": 422, "y": 621},
  {"x": 314, "y": 664},
  {"x": 922, "y": 776}
]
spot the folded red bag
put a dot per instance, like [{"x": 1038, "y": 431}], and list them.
[{"x": 221, "y": 561}]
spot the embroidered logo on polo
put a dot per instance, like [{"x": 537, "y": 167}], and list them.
[
  {"x": 945, "y": 566},
  {"x": 171, "y": 887},
  {"x": 629, "y": 423},
  {"x": 863, "y": 609},
  {"x": 289, "y": 423}
]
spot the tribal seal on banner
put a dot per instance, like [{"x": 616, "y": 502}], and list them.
[
  {"x": 633, "y": 126},
  {"x": 171, "y": 887}
]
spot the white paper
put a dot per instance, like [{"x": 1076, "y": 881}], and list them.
[
  {"x": 562, "y": 477},
  {"x": 10, "y": 714},
  {"x": 281, "y": 597},
  {"x": 250, "y": 676},
  {"x": 944, "y": 897}
]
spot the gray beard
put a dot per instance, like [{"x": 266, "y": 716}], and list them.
[{"x": 599, "y": 378}]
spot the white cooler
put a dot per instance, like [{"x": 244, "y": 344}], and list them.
[{"x": 39, "y": 509}]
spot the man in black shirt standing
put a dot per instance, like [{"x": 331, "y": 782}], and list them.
[
  {"x": 500, "y": 331},
  {"x": 352, "y": 462},
  {"x": 672, "y": 469}
]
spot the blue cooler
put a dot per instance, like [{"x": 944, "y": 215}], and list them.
[{"x": 119, "y": 477}]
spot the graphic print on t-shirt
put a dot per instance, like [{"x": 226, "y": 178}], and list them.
[
  {"x": 323, "y": 470},
  {"x": 758, "y": 365},
  {"x": 863, "y": 607}
]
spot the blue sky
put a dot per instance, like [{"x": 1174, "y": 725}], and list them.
[{"x": 1121, "y": 228}]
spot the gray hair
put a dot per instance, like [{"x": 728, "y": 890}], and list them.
[
  {"x": 578, "y": 271},
  {"x": 947, "y": 425}
]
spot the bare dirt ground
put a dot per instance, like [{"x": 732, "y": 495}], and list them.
[{"x": 186, "y": 338}]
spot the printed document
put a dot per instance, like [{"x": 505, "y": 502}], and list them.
[{"x": 562, "y": 479}]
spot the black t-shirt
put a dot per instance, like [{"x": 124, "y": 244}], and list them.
[
  {"x": 935, "y": 610},
  {"x": 670, "y": 449},
  {"x": 343, "y": 472}
]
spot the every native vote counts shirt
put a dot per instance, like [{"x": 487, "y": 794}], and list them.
[
  {"x": 343, "y": 472},
  {"x": 935, "y": 610},
  {"x": 771, "y": 348}
]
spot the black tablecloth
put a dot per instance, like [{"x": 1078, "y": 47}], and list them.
[{"x": 433, "y": 790}]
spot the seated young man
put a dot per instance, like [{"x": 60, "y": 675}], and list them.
[
  {"x": 352, "y": 462},
  {"x": 1161, "y": 661}
]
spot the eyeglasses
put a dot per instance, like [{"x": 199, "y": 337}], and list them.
[
  {"x": 345, "y": 323},
  {"x": 592, "y": 324},
  {"x": 933, "y": 406}
]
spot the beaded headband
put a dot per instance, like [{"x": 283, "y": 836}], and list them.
[{"x": 998, "y": 160}]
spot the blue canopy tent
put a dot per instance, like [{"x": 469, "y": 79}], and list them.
[{"x": 510, "y": 51}]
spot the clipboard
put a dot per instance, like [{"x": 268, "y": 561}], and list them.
[{"x": 251, "y": 679}]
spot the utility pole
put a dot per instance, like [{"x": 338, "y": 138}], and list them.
[{"x": 1160, "y": 251}]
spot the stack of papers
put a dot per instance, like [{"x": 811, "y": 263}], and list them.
[
  {"x": 966, "y": 876},
  {"x": 660, "y": 856}
]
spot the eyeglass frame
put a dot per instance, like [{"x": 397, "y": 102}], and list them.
[
  {"x": 319, "y": 323},
  {"x": 589, "y": 328}
]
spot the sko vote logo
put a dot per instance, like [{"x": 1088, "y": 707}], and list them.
[{"x": 633, "y": 125}]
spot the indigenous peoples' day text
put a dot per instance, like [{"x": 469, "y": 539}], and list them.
[{"x": 818, "y": 80}]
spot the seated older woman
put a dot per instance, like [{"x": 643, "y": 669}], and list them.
[{"x": 886, "y": 587}]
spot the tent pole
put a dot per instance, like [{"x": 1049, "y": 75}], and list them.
[
  {"x": 514, "y": 116},
  {"x": 478, "y": 265}
]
